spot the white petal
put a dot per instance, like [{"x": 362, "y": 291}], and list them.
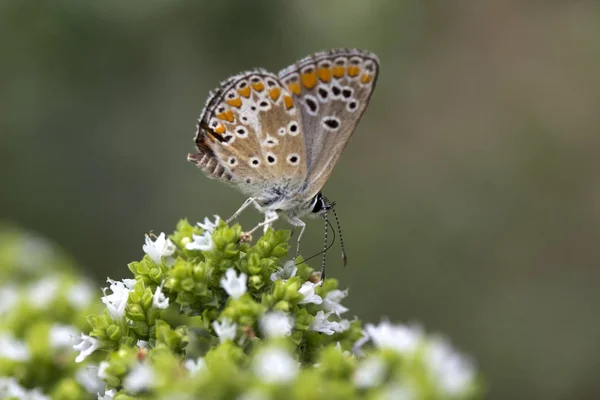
[
  {"x": 308, "y": 291},
  {"x": 139, "y": 379},
  {"x": 195, "y": 366},
  {"x": 117, "y": 301},
  {"x": 276, "y": 323},
  {"x": 453, "y": 372},
  {"x": 234, "y": 286},
  {"x": 61, "y": 336},
  {"x": 209, "y": 226},
  {"x": 225, "y": 330},
  {"x": 287, "y": 272},
  {"x": 13, "y": 349},
  {"x": 88, "y": 377},
  {"x": 86, "y": 347},
  {"x": 161, "y": 247},
  {"x": 402, "y": 338},
  {"x": 332, "y": 300},
  {"x": 275, "y": 366},
  {"x": 202, "y": 242},
  {"x": 159, "y": 300},
  {"x": 369, "y": 373}
]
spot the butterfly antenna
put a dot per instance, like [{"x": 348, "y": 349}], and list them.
[
  {"x": 324, "y": 247},
  {"x": 337, "y": 221}
]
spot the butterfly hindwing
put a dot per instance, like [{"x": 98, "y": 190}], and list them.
[
  {"x": 331, "y": 90},
  {"x": 250, "y": 134}
]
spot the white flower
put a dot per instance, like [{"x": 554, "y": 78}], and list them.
[
  {"x": 61, "y": 336},
  {"x": 451, "y": 370},
  {"x": 116, "y": 301},
  {"x": 195, "y": 366},
  {"x": 234, "y": 285},
  {"x": 13, "y": 349},
  {"x": 161, "y": 247},
  {"x": 253, "y": 394},
  {"x": 42, "y": 292},
  {"x": 159, "y": 300},
  {"x": 89, "y": 378},
  {"x": 80, "y": 295},
  {"x": 370, "y": 373},
  {"x": 357, "y": 346},
  {"x": 287, "y": 272},
  {"x": 8, "y": 298},
  {"x": 108, "y": 395},
  {"x": 396, "y": 391},
  {"x": 322, "y": 324},
  {"x": 401, "y": 338},
  {"x": 10, "y": 388},
  {"x": 275, "y": 366},
  {"x": 202, "y": 242},
  {"x": 225, "y": 330},
  {"x": 209, "y": 226},
  {"x": 308, "y": 291},
  {"x": 85, "y": 347},
  {"x": 276, "y": 323},
  {"x": 332, "y": 300},
  {"x": 129, "y": 283},
  {"x": 102, "y": 369},
  {"x": 139, "y": 379},
  {"x": 142, "y": 344}
]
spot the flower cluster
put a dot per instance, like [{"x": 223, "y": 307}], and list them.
[
  {"x": 43, "y": 308},
  {"x": 207, "y": 315}
]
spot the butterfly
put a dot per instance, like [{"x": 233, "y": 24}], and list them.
[{"x": 278, "y": 137}]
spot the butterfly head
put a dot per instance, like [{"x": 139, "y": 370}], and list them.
[{"x": 319, "y": 204}]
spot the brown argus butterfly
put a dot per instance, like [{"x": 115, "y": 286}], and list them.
[{"x": 278, "y": 137}]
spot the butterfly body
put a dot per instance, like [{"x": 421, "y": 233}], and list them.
[{"x": 278, "y": 137}]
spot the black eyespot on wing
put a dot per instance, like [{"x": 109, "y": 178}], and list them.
[
  {"x": 322, "y": 93},
  {"x": 311, "y": 104},
  {"x": 293, "y": 127},
  {"x": 347, "y": 93},
  {"x": 336, "y": 90},
  {"x": 331, "y": 123},
  {"x": 270, "y": 159}
]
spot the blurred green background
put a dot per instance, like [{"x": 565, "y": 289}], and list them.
[{"x": 469, "y": 195}]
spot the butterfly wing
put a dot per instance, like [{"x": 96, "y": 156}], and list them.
[
  {"x": 331, "y": 90},
  {"x": 249, "y": 134}
]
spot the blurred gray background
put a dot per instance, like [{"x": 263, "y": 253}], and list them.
[{"x": 469, "y": 195}]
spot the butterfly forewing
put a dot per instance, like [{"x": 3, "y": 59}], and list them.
[
  {"x": 250, "y": 134},
  {"x": 331, "y": 90}
]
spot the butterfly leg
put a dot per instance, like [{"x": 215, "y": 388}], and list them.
[
  {"x": 249, "y": 201},
  {"x": 298, "y": 222}
]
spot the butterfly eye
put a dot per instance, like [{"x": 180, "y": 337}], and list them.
[
  {"x": 293, "y": 128},
  {"x": 331, "y": 123},
  {"x": 293, "y": 159}
]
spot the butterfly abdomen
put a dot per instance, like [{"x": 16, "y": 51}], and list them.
[{"x": 209, "y": 164}]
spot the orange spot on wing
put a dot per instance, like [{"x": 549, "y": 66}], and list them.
[
  {"x": 353, "y": 70},
  {"x": 244, "y": 91},
  {"x": 219, "y": 129},
  {"x": 366, "y": 78},
  {"x": 227, "y": 116},
  {"x": 339, "y": 71},
  {"x": 309, "y": 79},
  {"x": 237, "y": 102},
  {"x": 288, "y": 101},
  {"x": 324, "y": 74},
  {"x": 274, "y": 93},
  {"x": 258, "y": 86},
  {"x": 294, "y": 87}
]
